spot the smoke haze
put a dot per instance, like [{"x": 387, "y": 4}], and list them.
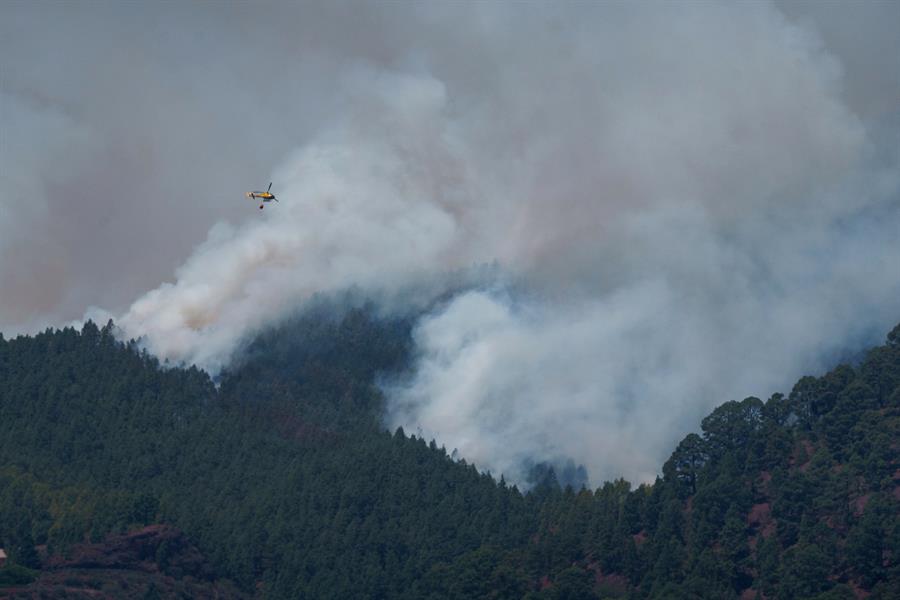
[{"x": 684, "y": 204}]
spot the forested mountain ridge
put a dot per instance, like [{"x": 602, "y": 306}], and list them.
[{"x": 284, "y": 480}]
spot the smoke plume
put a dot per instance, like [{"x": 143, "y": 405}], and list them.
[{"x": 685, "y": 204}]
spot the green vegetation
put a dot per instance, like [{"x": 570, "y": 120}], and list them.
[
  {"x": 13, "y": 574},
  {"x": 283, "y": 478}
]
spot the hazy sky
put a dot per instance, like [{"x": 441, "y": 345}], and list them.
[{"x": 683, "y": 203}]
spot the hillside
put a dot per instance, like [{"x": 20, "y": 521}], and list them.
[
  {"x": 150, "y": 562},
  {"x": 282, "y": 479}
]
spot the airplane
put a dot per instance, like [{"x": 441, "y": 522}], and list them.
[{"x": 266, "y": 196}]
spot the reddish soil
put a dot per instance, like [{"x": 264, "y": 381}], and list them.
[
  {"x": 858, "y": 592},
  {"x": 810, "y": 450},
  {"x": 615, "y": 585},
  {"x": 760, "y": 514},
  {"x": 859, "y": 504}
]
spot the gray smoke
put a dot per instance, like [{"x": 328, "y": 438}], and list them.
[{"x": 695, "y": 202}]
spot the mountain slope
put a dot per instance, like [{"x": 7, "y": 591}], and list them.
[{"x": 284, "y": 481}]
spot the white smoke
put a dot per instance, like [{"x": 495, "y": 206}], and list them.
[
  {"x": 353, "y": 210},
  {"x": 690, "y": 208}
]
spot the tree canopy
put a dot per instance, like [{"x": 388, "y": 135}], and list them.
[{"x": 282, "y": 475}]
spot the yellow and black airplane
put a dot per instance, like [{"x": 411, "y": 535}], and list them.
[{"x": 266, "y": 196}]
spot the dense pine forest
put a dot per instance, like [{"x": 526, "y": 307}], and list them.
[{"x": 121, "y": 477}]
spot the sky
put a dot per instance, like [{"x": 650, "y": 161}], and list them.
[{"x": 656, "y": 207}]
